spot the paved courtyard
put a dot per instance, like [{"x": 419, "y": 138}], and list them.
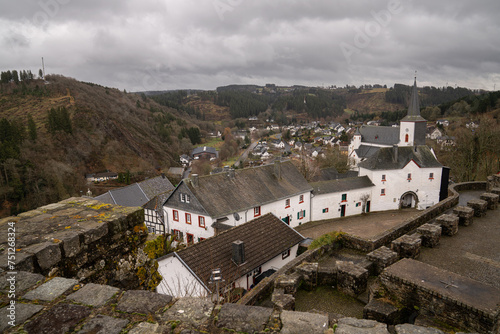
[
  {"x": 474, "y": 251},
  {"x": 364, "y": 226}
]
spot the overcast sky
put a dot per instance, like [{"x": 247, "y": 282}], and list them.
[{"x": 170, "y": 44}]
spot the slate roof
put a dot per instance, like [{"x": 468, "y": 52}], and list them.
[
  {"x": 204, "y": 149},
  {"x": 137, "y": 194},
  {"x": 331, "y": 173},
  {"x": 157, "y": 201},
  {"x": 340, "y": 185},
  {"x": 365, "y": 151},
  {"x": 383, "y": 135},
  {"x": 220, "y": 194},
  {"x": 384, "y": 158},
  {"x": 264, "y": 238},
  {"x": 414, "y": 106}
]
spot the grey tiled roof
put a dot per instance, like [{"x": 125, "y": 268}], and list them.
[
  {"x": 221, "y": 194},
  {"x": 333, "y": 186},
  {"x": 137, "y": 194},
  {"x": 264, "y": 238},
  {"x": 204, "y": 149},
  {"x": 383, "y": 135},
  {"x": 384, "y": 158},
  {"x": 331, "y": 173},
  {"x": 365, "y": 151},
  {"x": 156, "y": 185},
  {"x": 157, "y": 201}
]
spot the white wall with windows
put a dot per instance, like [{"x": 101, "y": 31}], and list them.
[
  {"x": 193, "y": 227},
  {"x": 246, "y": 281},
  {"x": 340, "y": 204},
  {"x": 412, "y": 185}
]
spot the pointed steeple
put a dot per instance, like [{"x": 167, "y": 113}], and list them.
[{"x": 414, "y": 105}]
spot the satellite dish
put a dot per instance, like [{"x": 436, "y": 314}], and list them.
[{"x": 236, "y": 216}]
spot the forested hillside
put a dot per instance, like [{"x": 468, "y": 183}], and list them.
[{"x": 52, "y": 133}]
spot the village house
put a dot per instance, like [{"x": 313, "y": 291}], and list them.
[
  {"x": 240, "y": 257},
  {"x": 341, "y": 197},
  {"x": 100, "y": 177},
  {"x": 204, "y": 152},
  {"x": 204, "y": 205}
]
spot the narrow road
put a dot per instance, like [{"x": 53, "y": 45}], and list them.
[{"x": 244, "y": 155}]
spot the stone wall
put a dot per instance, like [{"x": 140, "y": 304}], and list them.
[
  {"x": 83, "y": 239},
  {"x": 443, "y": 295}
]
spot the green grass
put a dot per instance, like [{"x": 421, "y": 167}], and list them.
[{"x": 213, "y": 142}]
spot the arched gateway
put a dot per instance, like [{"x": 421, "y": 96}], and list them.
[{"x": 408, "y": 200}]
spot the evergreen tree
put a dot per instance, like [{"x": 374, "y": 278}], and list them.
[
  {"x": 15, "y": 76},
  {"x": 32, "y": 128}
]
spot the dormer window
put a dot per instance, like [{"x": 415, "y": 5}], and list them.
[{"x": 185, "y": 198}]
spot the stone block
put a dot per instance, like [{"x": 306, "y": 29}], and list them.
[
  {"x": 360, "y": 326},
  {"x": 148, "y": 328},
  {"x": 94, "y": 231},
  {"x": 382, "y": 312},
  {"x": 243, "y": 318},
  {"x": 289, "y": 283},
  {"x": 103, "y": 324},
  {"x": 351, "y": 278},
  {"x": 71, "y": 244},
  {"x": 22, "y": 313},
  {"x": 407, "y": 246},
  {"x": 448, "y": 223},
  {"x": 46, "y": 254},
  {"x": 480, "y": 206},
  {"x": 52, "y": 289},
  {"x": 465, "y": 215},
  {"x": 495, "y": 191},
  {"x": 23, "y": 279},
  {"x": 492, "y": 200},
  {"x": 24, "y": 261},
  {"x": 413, "y": 329},
  {"x": 303, "y": 322},
  {"x": 283, "y": 301},
  {"x": 141, "y": 301},
  {"x": 430, "y": 234},
  {"x": 309, "y": 273},
  {"x": 62, "y": 318},
  {"x": 190, "y": 310},
  {"x": 93, "y": 294},
  {"x": 382, "y": 257}
]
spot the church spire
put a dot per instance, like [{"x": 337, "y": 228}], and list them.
[{"x": 414, "y": 105}]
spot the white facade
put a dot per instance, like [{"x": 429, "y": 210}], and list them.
[
  {"x": 410, "y": 186},
  {"x": 180, "y": 281},
  {"x": 191, "y": 226},
  {"x": 340, "y": 204},
  {"x": 246, "y": 281},
  {"x": 295, "y": 213}
]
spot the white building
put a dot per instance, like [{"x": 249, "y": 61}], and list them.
[
  {"x": 341, "y": 197},
  {"x": 242, "y": 255},
  {"x": 203, "y": 205}
]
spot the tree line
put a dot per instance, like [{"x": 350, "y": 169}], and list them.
[{"x": 15, "y": 76}]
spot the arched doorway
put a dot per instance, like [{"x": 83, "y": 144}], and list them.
[{"x": 408, "y": 200}]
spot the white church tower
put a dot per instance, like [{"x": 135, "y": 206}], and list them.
[{"x": 412, "y": 128}]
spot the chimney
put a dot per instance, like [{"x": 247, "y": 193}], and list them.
[
  {"x": 395, "y": 153},
  {"x": 277, "y": 169},
  {"x": 194, "y": 180},
  {"x": 238, "y": 252}
]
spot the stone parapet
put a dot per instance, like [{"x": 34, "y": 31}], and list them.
[
  {"x": 465, "y": 215},
  {"x": 480, "y": 207},
  {"x": 492, "y": 200},
  {"x": 407, "y": 246},
  {"x": 351, "y": 278},
  {"x": 430, "y": 234},
  {"x": 448, "y": 223},
  {"x": 382, "y": 257},
  {"x": 83, "y": 239}
]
